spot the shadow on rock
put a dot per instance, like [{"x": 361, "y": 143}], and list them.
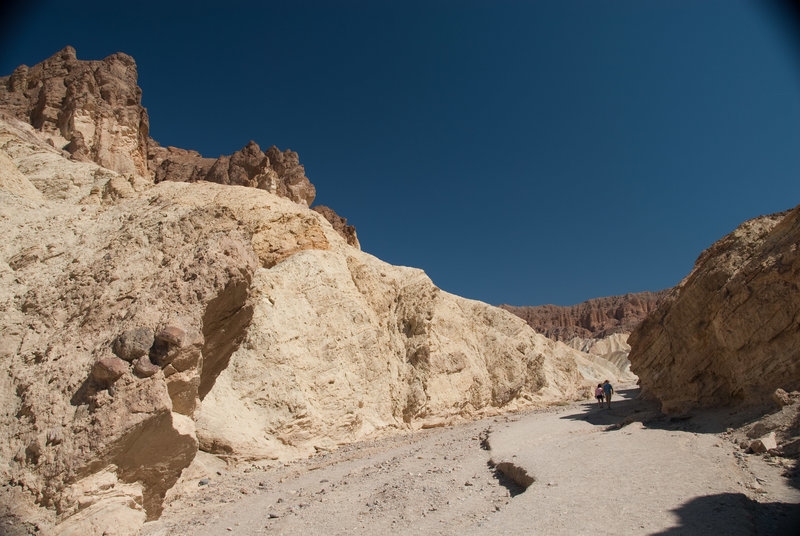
[{"x": 734, "y": 514}]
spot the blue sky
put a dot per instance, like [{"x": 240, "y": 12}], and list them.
[{"x": 518, "y": 152}]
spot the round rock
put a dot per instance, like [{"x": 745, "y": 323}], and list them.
[
  {"x": 133, "y": 343},
  {"x": 172, "y": 335},
  {"x": 144, "y": 367},
  {"x": 107, "y": 370}
]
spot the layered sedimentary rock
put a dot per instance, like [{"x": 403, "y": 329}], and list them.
[
  {"x": 592, "y": 319},
  {"x": 143, "y": 321},
  {"x": 730, "y": 331}
]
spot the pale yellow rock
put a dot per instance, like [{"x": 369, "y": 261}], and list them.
[
  {"x": 14, "y": 182},
  {"x": 110, "y": 517},
  {"x": 295, "y": 340}
]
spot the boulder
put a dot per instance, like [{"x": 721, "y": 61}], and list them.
[
  {"x": 765, "y": 443},
  {"x": 144, "y": 367},
  {"x": 109, "y": 369},
  {"x": 339, "y": 224},
  {"x": 172, "y": 336},
  {"x": 133, "y": 343}
]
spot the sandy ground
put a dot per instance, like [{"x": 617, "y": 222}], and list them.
[{"x": 623, "y": 470}]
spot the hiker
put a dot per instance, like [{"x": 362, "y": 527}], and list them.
[
  {"x": 598, "y": 394},
  {"x": 608, "y": 391}
]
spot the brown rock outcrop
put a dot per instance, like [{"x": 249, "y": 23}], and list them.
[
  {"x": 339, "y": 224},
  {"x": 90, "y": 108},
  {"x": 730, "y": 331},
  {"x": 593, "y": 319},
  {"x": 93, "y": 110},
  {"x": 278, "y": 172}
]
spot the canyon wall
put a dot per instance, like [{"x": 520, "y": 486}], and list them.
[
  {"x": 729, "y": 333},
  {"x": 143, "y": 321}
]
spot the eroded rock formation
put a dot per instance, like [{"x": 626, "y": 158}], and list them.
[
  {"x": 730, "y": 331},
  {"x": 93, "y": 110},
  {"x": 592, "y": 319},
  {"x": 143, "y": 321},
  {"x": 278, "y": 172}
]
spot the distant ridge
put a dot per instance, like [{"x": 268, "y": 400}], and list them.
[{"x": 594, "y": 319}]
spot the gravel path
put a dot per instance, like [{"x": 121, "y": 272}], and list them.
[{"x": 622, "y": 470}]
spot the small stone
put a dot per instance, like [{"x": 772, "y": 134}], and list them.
[
  {"x": 107, "y": 370},
  {"x": 54, "y": 436},
  {"x": 781, "y": 398},
  {"x": 144, "y": 367},
  {"x": 203, "y": 482},
  {"x": 172, "y": 335},
  {"x": 763, "y": 444},
  {"x": 468, "y": 483},
  {"x": 133, "y": 343}
]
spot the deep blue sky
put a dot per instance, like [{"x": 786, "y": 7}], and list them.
[{"x": 518, "y": 152}]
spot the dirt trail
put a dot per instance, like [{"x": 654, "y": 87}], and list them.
[{"x": 598, "y": 471}]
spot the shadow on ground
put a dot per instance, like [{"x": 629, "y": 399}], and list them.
[
  {"x": 627, "y": 407},
  {"x": 734, "y": 514}
]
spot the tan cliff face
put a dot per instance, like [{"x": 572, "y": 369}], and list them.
[
  {"x": 730, "y": 331},
  {"x": 142, "y": 322}
]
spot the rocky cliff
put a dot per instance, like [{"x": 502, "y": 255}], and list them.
[
  {"x": 730, "y": 331},
  {"x": 592, "y": 319},
  {"x": 145, "y": 320},
  {"x": 93, "y": 110}
]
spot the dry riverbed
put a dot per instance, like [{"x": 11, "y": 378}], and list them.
[{"x": 624, "y": 470}]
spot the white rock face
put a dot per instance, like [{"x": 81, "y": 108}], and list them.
[
  {"x": 609, "y": 355},
  {"x": 272, "y": 336},
  {"x": 343, "y": 346}
]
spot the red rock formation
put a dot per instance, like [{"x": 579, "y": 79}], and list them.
[
  {"x": 595, "y": 318},
  {"x": 730, "y": 331},
  {"x": 339, "y": 224},
  {"x": 90, "y": 108},
  {"x": 276, "y": 171},
  {"x": 93, "y": 110}
]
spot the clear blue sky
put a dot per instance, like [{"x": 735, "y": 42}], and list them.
[{"x": 518, "y": 152}]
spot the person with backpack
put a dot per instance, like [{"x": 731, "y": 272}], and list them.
[{"x": 608, "y": 391}]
